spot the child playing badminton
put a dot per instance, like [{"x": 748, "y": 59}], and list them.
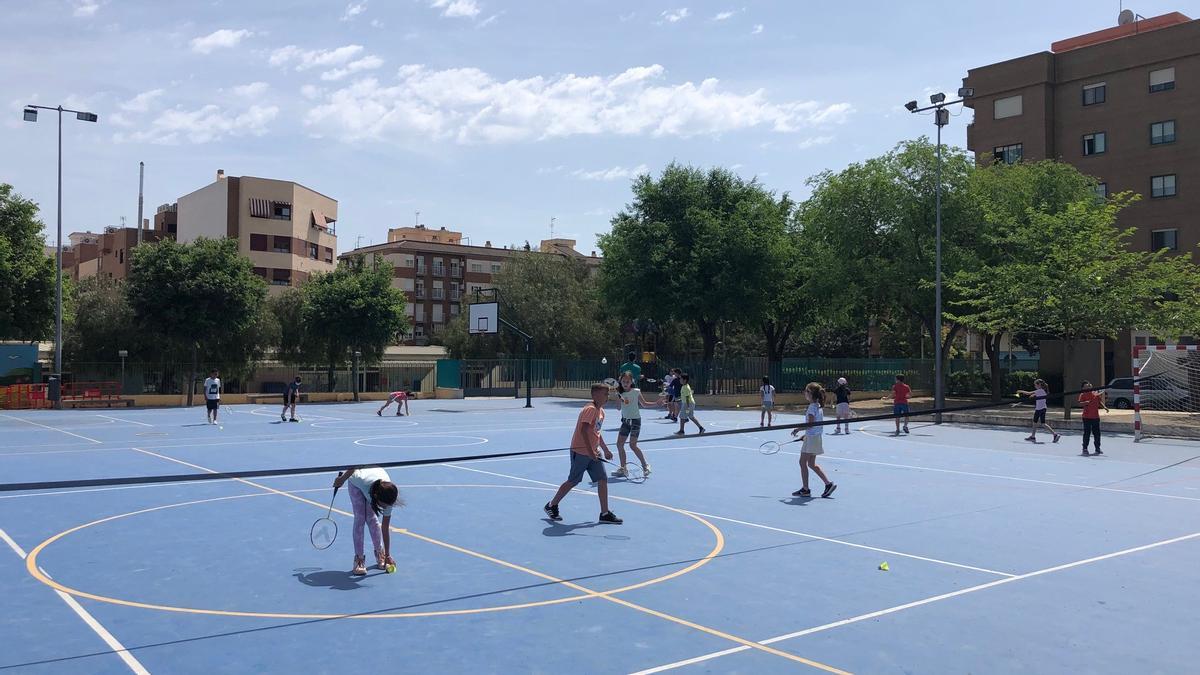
[
  {"x": 290, "y": 398},
  {"x": 212, "y": 395},
  {"x": 843, "y": 406},
  {"x": 689, "y": 405},
  {"x": 767, "y": 393},
  {"x": 631, "y": 422},
  {"x": 586, "y": 444},
  {"x": 900, "y": 393},
  {"x": 815, "y": 395},
  {"x": 372, "y": 494},
  {"x": 401, "y": 400},
  {"x": 1091, "y": 401},
  {"x": 1039, "y": 396}
]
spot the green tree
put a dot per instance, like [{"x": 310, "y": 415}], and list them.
[
  {"x": 1069, "y": 272},
  {"x": 353, "y": 308},
  {"x": 877, "y": 222},
  {"x": 102, "y": 323},
  {"x": 695, "y": 246},
  {"x": 198, "y": 301},
  {"x": 1003, "y": 199},
  {"x": 26, "y": 272}
]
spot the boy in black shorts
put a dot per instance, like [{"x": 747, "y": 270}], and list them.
[
  {"x": 290, "y": 397},
  {"x": 586, "y": 444}
]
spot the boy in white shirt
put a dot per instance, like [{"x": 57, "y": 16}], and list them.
[{"x": 212, "y": 395}]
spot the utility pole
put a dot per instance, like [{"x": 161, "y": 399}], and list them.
[{"x": 141, "y": 184}]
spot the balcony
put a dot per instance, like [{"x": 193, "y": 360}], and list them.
[
  {"x": 456, "y": 272},
  {"x": 420, "y": 270},
  {"x": 419, "y": 294},
  {"x": 455, "y": 295},
  {"x": 439, "y": 271},
  {"x": 437, "y": 294}
]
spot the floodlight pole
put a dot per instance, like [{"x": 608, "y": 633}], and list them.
[
  {"x": 941, "y": 118},
  {"x": 31, "y": 116}
]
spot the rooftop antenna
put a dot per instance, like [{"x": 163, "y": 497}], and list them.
[
  {"x": 417, "y": 219},
  {"x": 358, "y": 241},
  {"x": 552, "y": 219}
]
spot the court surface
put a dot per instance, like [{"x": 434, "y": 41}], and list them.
[{"x": 1002, "y": 556}]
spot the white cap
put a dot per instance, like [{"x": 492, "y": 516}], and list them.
[{"x": 841, "y": 380}]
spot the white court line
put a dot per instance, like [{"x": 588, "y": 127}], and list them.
[
  {"x": 61, "y": 431},
  {"x": 767, "y": 527},
  {"x": 112, "y": 642},
  {"x": 997, "y": 476},
  {"x": 118, "y": 419},
  {"x": 909, "y": 605}
]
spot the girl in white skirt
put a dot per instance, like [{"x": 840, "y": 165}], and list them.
[{"x": 812, "y": 441}]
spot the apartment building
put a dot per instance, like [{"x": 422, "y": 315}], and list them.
[
  {"x": 440, "y": 275},
  {"x": 286, "y": 229},
  {"x": 107, "y": 254},
  {"x": 1121, "y": 104}
]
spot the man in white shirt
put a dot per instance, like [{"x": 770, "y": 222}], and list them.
[{"x": 212, "y": 395}]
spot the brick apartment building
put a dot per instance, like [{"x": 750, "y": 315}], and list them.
[
  {"x": 1121, "y": 104},
  {"x": 439, "y": 274},
  {"x": 285, "y": 228},
  {"x": 105, "y": 255}
]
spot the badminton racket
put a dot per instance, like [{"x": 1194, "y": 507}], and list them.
[
  {"x": 772, "y": 447},
  {"x": 324, "y": 530}
]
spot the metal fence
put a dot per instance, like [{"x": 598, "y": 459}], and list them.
[{"x": 259, "y": 378}]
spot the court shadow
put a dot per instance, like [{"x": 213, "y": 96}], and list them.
[
  {"x": 797, "y": 501},
  {"x": 557, "y": 529},
  {"x": 201, "y": 424},
  {"x": 336, "y": 580}
]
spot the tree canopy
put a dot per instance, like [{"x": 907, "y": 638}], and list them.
[{"x": 26, "y": 273}]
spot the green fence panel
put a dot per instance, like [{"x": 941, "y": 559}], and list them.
[{"x": 449, "y": 374}]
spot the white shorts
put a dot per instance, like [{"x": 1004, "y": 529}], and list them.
[
  {"x": 843, "y": 410},
  {"x": 812, "y": 445}
]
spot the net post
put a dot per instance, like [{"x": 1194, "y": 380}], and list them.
[{"x": 1137, "y": 395}]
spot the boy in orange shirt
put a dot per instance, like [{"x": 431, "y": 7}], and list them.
[
  {"x": 586, "y": 444},
  {"x": 900, "y": 393}
]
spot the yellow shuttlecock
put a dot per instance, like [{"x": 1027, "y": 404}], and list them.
[{"x": 883, "y": 566}]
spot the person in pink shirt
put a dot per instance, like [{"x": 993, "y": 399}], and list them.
[{"x": 401, "y": 400}]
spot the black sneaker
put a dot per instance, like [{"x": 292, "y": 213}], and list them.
[
  {"x": 282, "y": 417},
  {"x": 552, "y": 511},
  {"x": 802, "y": 492},
  {"x": 829, "y": 488},
  {"x": 610, "y": 517},
  {"x": 293, "y": 419},
  {"x": 1097, "y": 452},
  {"x": 1085, "y": 453}
]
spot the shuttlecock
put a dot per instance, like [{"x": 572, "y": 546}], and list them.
[{"x": 883, "y": 566}]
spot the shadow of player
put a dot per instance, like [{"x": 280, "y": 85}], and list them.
[
  {"x": 557, "y": 529},
  {"x": 336, "y": 580}
]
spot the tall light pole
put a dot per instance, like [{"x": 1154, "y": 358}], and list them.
[
  {"x": 31, "y": 115},
  {"x": 941, "y": 117}
]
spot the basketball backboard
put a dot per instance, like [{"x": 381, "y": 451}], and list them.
[{"x": 484, "y": 318}]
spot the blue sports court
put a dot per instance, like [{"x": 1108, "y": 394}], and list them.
[{"x": 1001, "y": 556}]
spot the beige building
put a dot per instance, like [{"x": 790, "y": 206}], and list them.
[
  {"x": 439, "y": 274},
  {"x": 286, "y": 229}
]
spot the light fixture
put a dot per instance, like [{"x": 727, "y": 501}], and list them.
[
  {"x": 30, "y": 115},
  {"x": 86, "y": 117},
  {"x": 911, "y": 106},
  {"x": 966, "y": 92},
  {"x": 937, "y": 98}
]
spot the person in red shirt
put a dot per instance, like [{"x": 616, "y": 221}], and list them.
[
  {"x": 1091, "y": 401},
  {"x": 900, "y": 393}
]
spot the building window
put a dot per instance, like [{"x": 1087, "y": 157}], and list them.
[
  {"x": 1168, "y": 239},
  {"x": 1162, "y": 186},
  {"x": 495, "y": 268},
  {"x": 1162, "y": 132},
  {"x": 476, "y": 267},
  {"x": 1094, "y": 93},
  {"x": 283, "y": 245},
  {"x": 453, "y": 310},
  {"x": 1162, "y": 80},
  {"x": 121, "y": 256},
  {"x": 438, "y": 269},
  {"x": 329, "y": 255},
  {"x": 418, "y": 330},
  {"x": 1009, "y": 154},
  {"x": 420, "y": 291},
  {"x": 258, "y": 242},
  {"x": 261, "y": 272},
  {"x": 408, "y": 261},
  {"x": 437, "y": 292},
  {"x": 313, "y": 251},
  {"x": 1007, "y": 107},
  {"x": 281, "y": 277},
  {"x": 1101, "y": 190},
  {"x": 1094, "y": 144},
  {"x": 281, "y": 210}
]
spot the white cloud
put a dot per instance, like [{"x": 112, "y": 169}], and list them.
[
  {"x": 252, "y": 90},
  {"x": 467, "y": 105},
  {"x": 814, "y": 141},
  {"x": 721, "y": 16},
  {"x": 354, "y": 9},
  {"x": 86, "y": 8},
  {"x": 457, "y": 9},
  {"x": 627, "y": 17},
  {"x": 314, "y": 58},
  {"x": 615, "y": 173},
  {"x": 676, "y": 15},
  {"x": 365, "y": 63},
  {"x": 141, "y": 102},
  {"x": 376, "y": 23},
  {"x": 490, "y": 20},
  {"x": 758, "y": 28},
  {"x": 310, "y": 91},
  {"x": 219, "y": 39},
  {"x": 203, "y": 125}
]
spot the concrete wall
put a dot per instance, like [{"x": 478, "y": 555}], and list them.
[{"x": 204, "y": 213}]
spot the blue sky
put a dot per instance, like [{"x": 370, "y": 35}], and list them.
[{"x": 487, "y": 116}]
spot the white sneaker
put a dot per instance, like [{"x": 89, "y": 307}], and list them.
[
  {"x": 621, "y": 472},
  {"x": 646, "y": 469},
  {"x": 360, "y": 566}
]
